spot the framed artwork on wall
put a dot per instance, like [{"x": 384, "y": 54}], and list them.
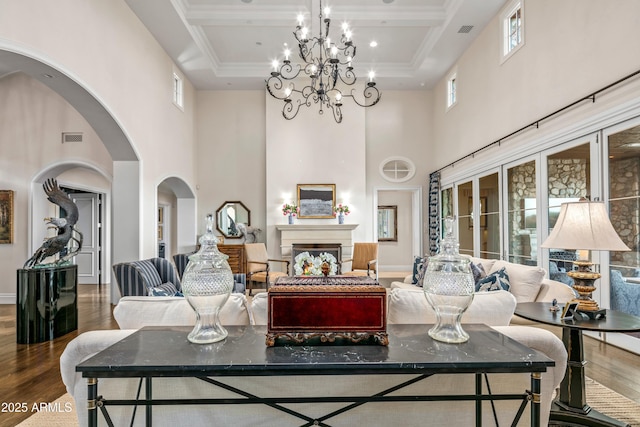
[
  {"x": 6, "y": 216},
  {"x": 388, "y": 223},
  {"x": 316, "y": 200}
]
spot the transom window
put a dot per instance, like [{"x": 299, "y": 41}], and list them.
[
  {"x": 513, "y": 28},
  {"x": 451, "y": 91},
  {"x": 178, "y": 96}
]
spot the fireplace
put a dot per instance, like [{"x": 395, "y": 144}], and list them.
[
  {"x": 315, "y": 249},
  {"x": 311, "y": 234}
]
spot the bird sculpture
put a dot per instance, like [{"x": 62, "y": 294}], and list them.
[
  {"x": 65, "y": 226},
  {"x": 249, "y": 233}
]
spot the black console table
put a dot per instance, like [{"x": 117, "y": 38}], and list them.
[
  {"x": 154, "y": 352},
  {"x": 47, "y": 303}
]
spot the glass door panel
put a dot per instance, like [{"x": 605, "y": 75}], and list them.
[
  {"x": 446, "y": 196},
  {"x": 624, "y": 211},
  {"x": 465, "y": 217},
  {"x": 521, "y": 214},
  {"x": 489, "y": 217},
  {"x": 568, "y": 180}
]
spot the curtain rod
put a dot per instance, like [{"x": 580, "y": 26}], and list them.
[{"x": 591, "y": 96}]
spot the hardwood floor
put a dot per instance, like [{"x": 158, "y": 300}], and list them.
[{"x": 31, "y": 373}]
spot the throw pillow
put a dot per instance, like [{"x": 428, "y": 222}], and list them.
[
  {"x": 422, "y": 270},
  {"x": 164, "y": 290},
  {"x": 496, "y": 281},
  {"x": 478, "y": 272},
  {"x": 417, "y": 261},
  {"x": 526, "y": 281},
  {"x": 149, "y": 272}
]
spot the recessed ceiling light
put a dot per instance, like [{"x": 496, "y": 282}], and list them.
[
  {"x": 247, "y": 1},
  {"x": 373, "y": 43},
  {"x": 259, "y": 43},
  {"x": 388, "y": 1}
]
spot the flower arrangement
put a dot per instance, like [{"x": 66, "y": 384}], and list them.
[
  {"x": 341, "y": 209},
  {"x": 306, "y": 264},
  {"x": 288, "y": 209}
]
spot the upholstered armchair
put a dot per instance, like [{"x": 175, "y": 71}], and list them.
[
  {"x": 146, "y": 276},
  {"x": 258, "y": 265},
  {"x": 364, "y": 261},
  {"x": 239, "y": 280}
]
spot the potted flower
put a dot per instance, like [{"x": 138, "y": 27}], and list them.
[
  {"x": 341, "y": 210},
  {"x": 291, "y": 210}
]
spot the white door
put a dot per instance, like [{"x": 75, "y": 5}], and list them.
[{"x": 88, "y": 259}]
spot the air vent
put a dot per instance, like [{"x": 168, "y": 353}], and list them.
[
  {"x": 71, "y": 137},
  {"x": 465, "y": 29}
]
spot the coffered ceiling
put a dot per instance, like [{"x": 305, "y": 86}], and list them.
[{"x": 229, "y": 44}]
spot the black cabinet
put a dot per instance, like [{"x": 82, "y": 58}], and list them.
[{"x": 47, "y": 303}]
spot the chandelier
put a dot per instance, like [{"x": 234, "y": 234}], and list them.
[{"x": 326, "y": 70}]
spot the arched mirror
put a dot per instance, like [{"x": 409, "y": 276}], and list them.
[{"x": 229, "y": 215}]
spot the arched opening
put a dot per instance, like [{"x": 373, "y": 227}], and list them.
[
  {"x": 176, "y": 205},
  {"x": 122, "y": 214}
]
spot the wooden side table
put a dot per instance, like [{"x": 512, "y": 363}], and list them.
[{"x": 237, "y": 257}]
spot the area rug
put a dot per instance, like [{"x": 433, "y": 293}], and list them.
[
  {"x": 610, "y": 403},
  {"x": 61, "y": 413},
  {"x": 599, "y": 397}
]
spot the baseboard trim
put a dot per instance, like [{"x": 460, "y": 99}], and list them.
[{"x": 8, "y": 298}]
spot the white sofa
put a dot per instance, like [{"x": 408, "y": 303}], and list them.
[
  {"x": 528, "y": 284},
  {"x": 494, "y": 308}
]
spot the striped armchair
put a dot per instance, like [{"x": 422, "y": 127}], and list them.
[
  {"x": 239, "y": 280},
  {"x": 142, "y": 277}
]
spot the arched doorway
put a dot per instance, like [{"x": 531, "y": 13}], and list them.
[{"x": 124, "y": 217}]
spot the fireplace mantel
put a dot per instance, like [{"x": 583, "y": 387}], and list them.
[{"x": 316, "y": 233}]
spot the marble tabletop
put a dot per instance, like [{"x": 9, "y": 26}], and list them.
[{"x": 165, "y": 351}]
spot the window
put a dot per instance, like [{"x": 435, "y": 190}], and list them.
[
  {"x": 178, "y": 97},
  {"x": 397, "y": 169},
  {"x": 512, "y": 29},
  {"x": 451, "y": 91}
]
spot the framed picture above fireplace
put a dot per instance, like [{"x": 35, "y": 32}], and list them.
[{"x": 316, "y": 200}]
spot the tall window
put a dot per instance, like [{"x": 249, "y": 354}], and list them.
[
  {"x": 568, "y": 180},
  {"x": 451, "y": 91},
  {"x": 624, "y": 211},
  {"x": 178, "y": 96},
  {"x": 465, "y": 217},
  {"x": 489, "y": 217},
  {"x": 521, "y": 218},
  {"x": 513, "y": 28}
]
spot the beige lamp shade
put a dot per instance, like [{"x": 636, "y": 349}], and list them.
[{"x": 584, "y": 225}]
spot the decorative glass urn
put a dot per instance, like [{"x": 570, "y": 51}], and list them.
[
  {"x": 449, "y": 286},
  {"x": 207, "y": 283}
]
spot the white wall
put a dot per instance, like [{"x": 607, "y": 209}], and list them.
[
  {"x": 234, "y": 163},
  {"x": 314, "y": 149},
  {"x": 572, "y": 47},
  {"x": 105, "y": 48},
  {"x": 231, "y": 154}
]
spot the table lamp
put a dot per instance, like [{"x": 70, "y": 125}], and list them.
[{"x": 584, "y": 225}]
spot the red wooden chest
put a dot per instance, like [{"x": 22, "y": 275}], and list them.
[{"x": 326, "y": 310}]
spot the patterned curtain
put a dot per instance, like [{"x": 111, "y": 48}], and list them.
[{"x": 434, "y": 213}]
